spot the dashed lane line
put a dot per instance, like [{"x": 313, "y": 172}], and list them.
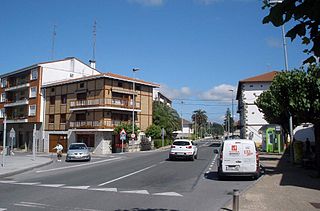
[
  {"x": 128, "y": 175},
  {"x": 136, "y": 191},
  {"x": 167, "y": 194},
  {"x": 80, "y": 165}
]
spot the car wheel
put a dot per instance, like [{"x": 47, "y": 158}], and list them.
[
  {"x": 196, "y": 156},
  {"x": 192, "y": 158}
]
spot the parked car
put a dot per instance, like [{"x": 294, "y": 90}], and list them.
[
  {"x": 183, "y": 148},
  {"x": 238, "y": 157},
  {"x": 78, "y": 151}
]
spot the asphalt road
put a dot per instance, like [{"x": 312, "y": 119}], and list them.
[{"x": 130, "y": 181}]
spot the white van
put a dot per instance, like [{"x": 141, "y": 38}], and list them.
[{"x": 238, "y": 157}]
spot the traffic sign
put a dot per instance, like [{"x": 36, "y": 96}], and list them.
[
  {"x": 133, "y": 135},
  {"x": 123, "y": 132},
  {"x": 12, "y": 133}
]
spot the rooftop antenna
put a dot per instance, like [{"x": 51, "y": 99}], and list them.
[
  {"x": 94, "y": 33},
  {"x": 53, "y": 40}
]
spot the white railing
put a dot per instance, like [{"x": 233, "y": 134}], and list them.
[
  {"x": 112, "y": 102},
  {"x": 96, "y": 124}
]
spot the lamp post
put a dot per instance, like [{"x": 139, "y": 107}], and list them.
[
  {"x": 134, "y": 70},
  {"x": 4, "y": 138},
  {"x": 232, "y": 129}
]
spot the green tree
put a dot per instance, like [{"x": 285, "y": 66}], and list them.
[
  {"x": 199, "y": 119},
  {"x": 297, "y": 93},
  {"x": 228, "y": 121},
  {"x": 216, "y": 129},
  {"x": 306, "y": 15},
  {"x": 127, "y": 128},
  {"x": 166, "y": 117},
  {"x": 154, "y": 131}
]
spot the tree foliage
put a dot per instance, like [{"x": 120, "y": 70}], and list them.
[
  {"x": 226, "y": 123},
  {"x": 306, "y": 15},
  {"x": 166, "y": 117},
  {"x": 297, "y": 93},
  {"x": 127, "y": 128},
  {"x": 154, "y": 131}
]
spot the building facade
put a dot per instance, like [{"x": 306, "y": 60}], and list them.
[
  {"x": 89, "y": 108},
  {"x": 158, "y": 96},
  {"x": 251, "y": 119},
  {"x": 22, "y": 98}
]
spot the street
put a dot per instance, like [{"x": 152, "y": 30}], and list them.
[{"x": 129, "y": 181}]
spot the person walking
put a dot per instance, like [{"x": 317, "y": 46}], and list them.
[{"x": 59, "y": 149}]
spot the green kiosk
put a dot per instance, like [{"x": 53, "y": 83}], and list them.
[{"x": 272, "y": 138}]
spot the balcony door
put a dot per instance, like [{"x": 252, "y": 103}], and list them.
[{"x": 88, "y": 139}]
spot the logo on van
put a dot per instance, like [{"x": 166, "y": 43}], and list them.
[{"x": 234, "y": 148}]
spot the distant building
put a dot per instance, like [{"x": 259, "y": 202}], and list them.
[
  {"x": 251, "y": 119},
  {"x": 158, "y": 96},
  {"x": 22, "y": 96},
  {"x": 187, "y": 130}
]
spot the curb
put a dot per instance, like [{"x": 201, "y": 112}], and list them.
[{"x": 24, "y": 170}]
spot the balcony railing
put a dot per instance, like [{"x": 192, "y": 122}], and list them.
[
  {"x": 16, "y": 103},
  {"x": 17, "y": 119},
  {"x": 17, "y": 87},
  {"x": 104, "y": 124},
  {"x": 106, "y": 102}
]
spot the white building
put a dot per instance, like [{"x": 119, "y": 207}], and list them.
[
  {"x": 187, "y": 130},
  {"x": 251, "y": 119},
  {"x": 158, "y": 96}
]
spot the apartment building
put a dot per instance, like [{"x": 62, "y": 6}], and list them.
[
  {"x": 22, "y": 97},
  {"x": 88, "y": 109},
  {"x": 251, "y": 119},
  {"x": 158, "y": 96}
]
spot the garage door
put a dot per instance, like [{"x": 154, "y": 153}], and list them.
[{"x": 54, "y": 139}]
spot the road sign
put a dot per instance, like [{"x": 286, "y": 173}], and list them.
[
  {"x": 123, "y": 135},
  {"x": 12, "y": 133},
  {"x": 133, "y": 135}
]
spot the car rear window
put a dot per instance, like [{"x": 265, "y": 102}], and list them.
[
  {"x": 77, "y": 146},
  {"x": 181, "y": 143}
]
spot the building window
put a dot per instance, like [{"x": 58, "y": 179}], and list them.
[
  {"x": 120, "y": 84},
  {"x": 34, "y": 75},
  {"x": 32, "y": 110},
  {"x": 33, "y": 92},
  {"x": 138, "y": 88},
  {"x": 52, "y": 100},
  {"x": 3, "y": 82},
  {"x": 251, "y": 85},
  {"x": 52, "y": 89},
  {"x": 63, "y": 118},
  {"x": 2, "y": 113},
  {"x": 3, "y": 97},
  {"x": 81, "y": 117},
  {"x": 81, "y": 85},
  {"x": 51, "y": 118},
  {"x": 63, "y": 99},
  {"x": 82, "y": 96}
]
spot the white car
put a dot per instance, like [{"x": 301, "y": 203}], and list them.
[{"x": 183, "y": 148}]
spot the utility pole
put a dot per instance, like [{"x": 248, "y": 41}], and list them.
[
  {"x": 53, "y": 41},
  {"x": 4, "y": 138},
  {"x": 181, "y": 118}
]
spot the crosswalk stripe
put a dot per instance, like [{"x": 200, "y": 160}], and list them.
[
  {"x": 136, "y": 191},
  {"x": 76, "y": 187},
  {"x": 167, "y": 194},
  {"x": 27, "y": 183},
  {"x": 105, "y": 189},
  {"x": 51, "y": 185}
]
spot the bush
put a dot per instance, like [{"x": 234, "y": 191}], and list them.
[
  {"x": 145, "y": 144},
  {"x": 158, "y": 143}
]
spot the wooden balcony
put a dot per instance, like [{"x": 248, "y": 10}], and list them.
[{"x": 104, "y": 103}]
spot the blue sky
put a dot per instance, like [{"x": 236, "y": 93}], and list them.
[{"x": 196, "y": 49}]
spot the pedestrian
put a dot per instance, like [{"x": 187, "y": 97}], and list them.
[{"x": 59, "y": 149}]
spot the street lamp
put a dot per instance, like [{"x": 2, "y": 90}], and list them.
[
  {"x": 4, "y": 138},
  {"x": 231, "y": 90},
  {"x": 134, "y": 70}
]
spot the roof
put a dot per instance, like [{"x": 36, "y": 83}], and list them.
[
  {"x": 186, "y": 122},
  {"x": 266, "y": 77},
  {"x": 39, "y": 64},
  {"x": 103, "y": 75}
]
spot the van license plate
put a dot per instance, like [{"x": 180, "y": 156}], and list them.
[{"x": 232, "y": 168}]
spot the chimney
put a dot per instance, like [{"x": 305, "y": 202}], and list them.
[{"x": 92, "y": 64}]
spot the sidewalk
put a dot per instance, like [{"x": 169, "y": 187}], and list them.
[
  {"x": 21, "y": 162},
  {"x": 284, "y": 186}
]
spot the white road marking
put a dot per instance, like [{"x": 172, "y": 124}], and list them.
[
  {"x": 3, "y": 209},
  {"x": 76, "y": 187},
  {"x": 51, "y": 185},
  {"x": 86, "y": 164},
  {"x": 27, "y": 183},
  {"x": 128, "y": 175},
  {"x": 167, "y": 194},
  {"x": 105, "y": 189},
  {"x": 136, "y": 191},
  {"x": 7, "y": 181},
  {"x": 30, "y": 204}
]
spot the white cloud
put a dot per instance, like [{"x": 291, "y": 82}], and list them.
[
  {"x": 220, "y": 93},
  {"x": 152, "y": 3},
  {"x": 273, "y": 42},
  {"x": 172, "y": 93},
  {"x": 210, "y": 2}
]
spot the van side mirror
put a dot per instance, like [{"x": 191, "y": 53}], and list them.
[{"x": 216, "y": 151}]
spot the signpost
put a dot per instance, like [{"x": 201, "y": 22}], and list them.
[
  {"x": 12, "y": 135},
  {"x": 123, "y": 137},
  {"x": 163, "y": 133}
]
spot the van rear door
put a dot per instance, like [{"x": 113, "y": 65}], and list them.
[
  {"x": 249, "y": 160},
  {"x": 232, "y": 160}
]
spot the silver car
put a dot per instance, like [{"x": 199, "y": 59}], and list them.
[{"x": 78, "y": 151}]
